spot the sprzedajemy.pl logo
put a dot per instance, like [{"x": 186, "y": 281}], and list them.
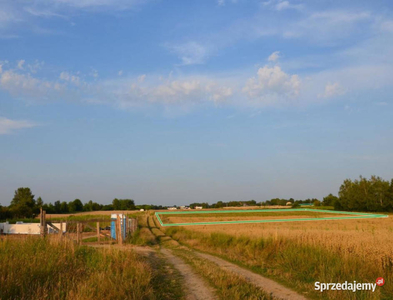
[{"x": 349, "y": 286}]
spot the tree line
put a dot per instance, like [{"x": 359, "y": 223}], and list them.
[
  {"x": 374, "y": 195},
  {"x": 24, "y": 205}
]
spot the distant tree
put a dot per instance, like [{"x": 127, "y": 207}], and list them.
[
  {"x": 107, "y": 207},
  {"x": 116, "y": 204},
  {"x": 5, "y": 213},
  {"x": 50, "y": 209},
  {"x": 123, "y": 204},
  {"x": 64, "y": 207},
  {"x": 234, "y": 204},
  {"x": 39, "y": 203},
  {"x": 251, "y": 202},
  {"x": 296, "y": 205},
  {"x": 329, "y": 200},
  {"x": 363, "y": 194},
  {"x": 219, "y": 204},
  {"x": 91, "y": 206},
  {"x": 88, "y": 206},
  {"x": 57, "y": 206},
  {"x": 96, "y": 206},
  {"x": 317, "y": 203},
  {"x": 75, "y": 206},
  {"x": 277, "y": 201},
  {"x": 23, "y": 203},
  {"x": 204, "y": 205}
]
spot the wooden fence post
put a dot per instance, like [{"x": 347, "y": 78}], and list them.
[
  {"x": 127, "y": 225},
  {"x": 119, "y": 235},
  {"x": 135, "y": 223},
  {"x": 78, "y": 234},
  {"x": 42, "y": 222},
  {"x": 61, "y": 229},
  {"x": 98, "y": 231}
]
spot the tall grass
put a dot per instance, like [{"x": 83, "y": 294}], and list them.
[
  {"x": 292, "y": 262},
  {"x": 34, "y": 268}
]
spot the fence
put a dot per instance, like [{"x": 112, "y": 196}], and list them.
[{"x": 121, "y": 227}]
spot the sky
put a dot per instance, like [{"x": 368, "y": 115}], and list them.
[{"x": 174, "y": 102}]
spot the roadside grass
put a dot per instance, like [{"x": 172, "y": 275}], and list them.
[
  {"x": 143, "y": 237},
  {"x": 293, "y": 263},
  {"x": 35, "y": 268},
  {"x": 94, "y": 239},
  {"x": 227, "y": 284},
  {"x": 150, "y": 222},
  {"x": 142, "y": 220},
  {"x": 167, "y": 282}
]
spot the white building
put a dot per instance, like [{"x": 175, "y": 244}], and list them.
[{"x": 27, "y": 228}]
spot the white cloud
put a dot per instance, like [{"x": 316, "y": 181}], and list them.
[
  {"x": 282, "y": 5},
  {"x": 219, "y": 93},
  {"x": 387, "y": 26},
  {"x": 221, "y": 2},
  {"x": 64, "y": 76},
  {"x": 120, "y": 73},
  {"x": 20, "y": 64},
  {"x": 22, "y": 14},
  {"x": 94, "y": 73},
  {"x": 8, "y": 126},
  {"x": 327, "y": 27},
  {"x": 141, "y": 78},
  {"x": 177, "y": 90},
  {"x": 42, "y": 13},
  {"x": 116, "y": 4},
  {"x": 272, "y": 85},
  {"x": 35, "y": 67},
  {"x": 190, "y": 53},
  {"x": 332, "y": 90},
  {"x": 274, "y": 56},
  {"x": 8, "y": 15},
  {"x": 168, "y": 92},
  {"x": 340, "y": 17},
  {"x": 27, "y": 86},
  {"x": 70, "y": 78}
]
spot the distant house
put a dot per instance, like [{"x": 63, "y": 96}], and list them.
[
  {"x": 198, "y": 207},
  {"x": 289, "y": 203},
  {"x": 172, "y": 208}
]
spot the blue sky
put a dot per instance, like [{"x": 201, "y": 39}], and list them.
[{"x": 173, "y": 102}]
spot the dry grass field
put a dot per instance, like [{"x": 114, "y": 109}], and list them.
[
  {"x": 53, "y": 268},
  {"x": 300, "y": 253},
  {"x": 34, "y": 268},
  {"x": 239, "y": 216}
]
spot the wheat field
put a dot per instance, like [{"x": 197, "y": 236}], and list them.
[{"x": 300, "y": 253}]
